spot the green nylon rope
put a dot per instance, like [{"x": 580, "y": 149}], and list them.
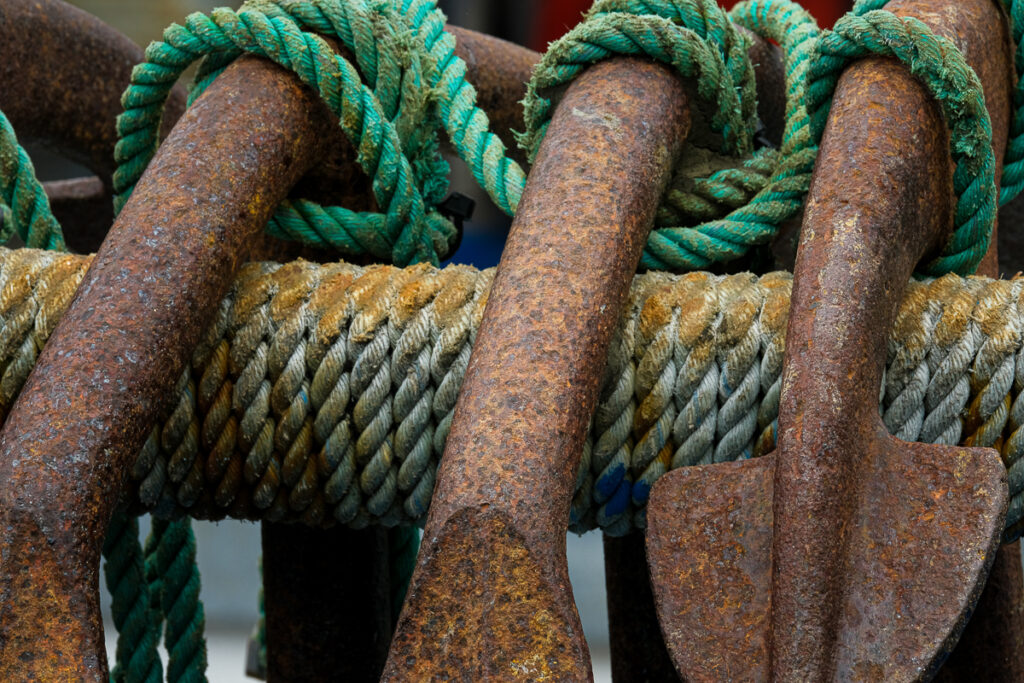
[
  {"x": 700, "y": 41},
  {"x": 132, "y": 609},
  {"x": 411, "y": 229},
  {"x": 404, "y": 41},
  {"x": 937, "y": 63},
  {"x": 1013, "y": 162},
  {"x": 174, "y": 583},
  {"x": 756, "y": 220}
]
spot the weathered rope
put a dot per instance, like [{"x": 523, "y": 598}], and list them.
[
  {"x": 1012, "y": 181},
  {"x": 308, "y": 369},
  {"x": 388, "y": 119},
  {"x": 135, "y": 658}
]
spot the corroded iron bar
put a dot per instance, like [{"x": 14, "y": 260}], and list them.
[
  {"x": 320, "y": 584},
  {"x": 491, "y": 595},
  {"x": 63, "y": 72},
  {"x": 83, "y": 207},
  {"x": 992, "y": 645},
  {"x": 99, "y": 383}
]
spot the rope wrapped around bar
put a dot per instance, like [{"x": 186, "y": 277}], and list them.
[{"x": 324, "y": 393}]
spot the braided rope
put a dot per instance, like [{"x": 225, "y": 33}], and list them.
[
  {"x": 411, "y": 229},
  {"x": 394, "y": 127},
  {"x": 1012, "y": 181},
  {"x": 135, "y": 657},
  {"x": 942, "y": 69},
  {"x": 692, "y": 377}
]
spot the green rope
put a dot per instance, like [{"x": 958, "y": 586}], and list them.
[
  {"x": 712, "y": 53},
  {"x": 27, "y": 209},
  {"x": 174, "y": 577},
  {"x": 403, "y": 547},
  {"x": 415, "y": 84},
  {"x": 942, "y": 69},
  {"x": 384, "y": 124},
  {"x": 1012, "y": 181},
  {"x": 135, "y": 658},
  {"x": 742, "y": 204},
  {"x": 756, "y": 220}
]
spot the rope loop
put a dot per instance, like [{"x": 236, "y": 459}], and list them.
[
  {"x": 954, "y": 84},
  {"x": 717, "y": 218},
  {"x": 391, "y": 120}
]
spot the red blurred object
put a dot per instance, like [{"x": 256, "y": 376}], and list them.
[{"x": 556, "y": 17}]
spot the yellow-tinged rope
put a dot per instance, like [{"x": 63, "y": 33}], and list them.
[{"x": 324, "y": 393}]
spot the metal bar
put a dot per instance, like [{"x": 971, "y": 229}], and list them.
[
  {"x": 638, "y": 651},
  {"x": 337, "y": 626},
  {"x": 103, "y": 376},
  {"x": 491, "y": 591},
  {"x": 810, "y": 606},
  {"x": 83, "y": 207},
  {"x": 970, "y": 27},
  {"x": 992, "y": 645}
]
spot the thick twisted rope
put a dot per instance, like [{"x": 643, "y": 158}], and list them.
[
  {"x": 135, "y": 657},
  {"x": 692, "y": 377},
  {"x": 1012, "y": 181},
  {"x": 942, "y": 69},
  {"x": 171, "y": 564}
]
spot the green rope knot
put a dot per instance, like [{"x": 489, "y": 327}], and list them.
[
  {"x": 702, "y": 220},
  {"x": 937, "y": 63},
  {"x": 391, "y": 120}
]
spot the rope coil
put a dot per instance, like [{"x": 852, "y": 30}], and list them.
[{"x": 324, "y": 394}]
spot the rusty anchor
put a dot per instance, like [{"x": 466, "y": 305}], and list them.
[
  {"x": 846, "y": 554},
  {"x": 501, "y": 509},
  {"x": 496, "y": 526}
]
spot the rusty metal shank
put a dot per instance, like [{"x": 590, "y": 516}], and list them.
[
  {"x": 847, "y": 554},
  {"x": 490, "y": 597},
  {"x": 316, "y": 589},
  {"x": 856, "y": 532},
  {"x": 891, "y": 247},
  {"x": 101, "y": 380}
]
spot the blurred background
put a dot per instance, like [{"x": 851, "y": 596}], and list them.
[{"x": 229, "y": 551}]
